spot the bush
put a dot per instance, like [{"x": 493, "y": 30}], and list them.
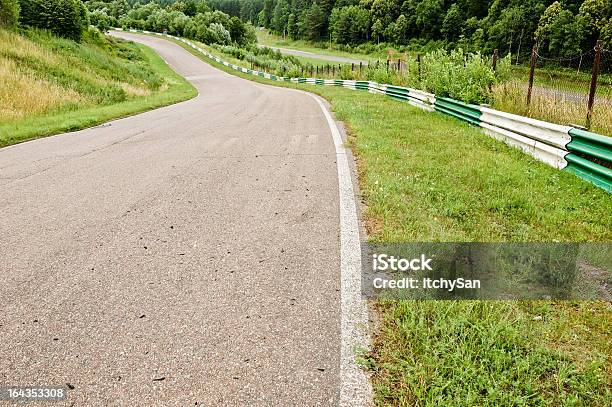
[
  {"x": 100, "y": 19},
  {"x": 66, "y": 18},
  {"x": 462, "y": 76},
  {"x": 9, "y": 13}
]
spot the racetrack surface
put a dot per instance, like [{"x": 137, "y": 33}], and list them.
[
  {"x": 331, "y": 58},
  {"x": 185, "y": 256}
]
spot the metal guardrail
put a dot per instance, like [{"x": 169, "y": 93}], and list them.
[
  {"x": 587, "y": 155},
  {"x": 590, "y": 157}
]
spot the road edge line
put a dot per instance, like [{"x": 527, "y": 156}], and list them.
[{"x": 355, "y": 389}]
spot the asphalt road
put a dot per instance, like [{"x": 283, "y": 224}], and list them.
[
  {"x": 332, "y": 58},
  {"x": 185, "y": 256}
]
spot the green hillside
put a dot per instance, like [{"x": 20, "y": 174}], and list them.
[{"x": 50, "y": 84}]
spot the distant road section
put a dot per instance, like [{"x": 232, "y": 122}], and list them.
[{"x": 331, "y": 58}]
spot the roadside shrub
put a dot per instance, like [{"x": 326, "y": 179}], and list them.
[
  {"x": 66, "y": 18},
  {"x": 217, "y": 34},
  {"x": 9, "y": 13},
  {"x": 100, "y": 20},
  {"x": 462, "y": 76}
]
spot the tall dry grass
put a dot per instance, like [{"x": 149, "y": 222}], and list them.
[
  {"x": 562, "y": 108},
  {"x": 24, "y": 95},
  {"x": 43, "y": 74}
]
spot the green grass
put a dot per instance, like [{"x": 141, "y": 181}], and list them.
[
  {"x": 473, "y": 353},
  {"x": 428, "y": 177},
  {"x": 80, "y": 84}
]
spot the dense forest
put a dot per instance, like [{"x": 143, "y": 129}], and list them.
[{"x": 562, "y": 28}]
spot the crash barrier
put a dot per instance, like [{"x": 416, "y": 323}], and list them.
[{"x": 585, "y": 154}]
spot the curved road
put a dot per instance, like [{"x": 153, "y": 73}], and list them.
[
  {"x": 185, "y": 256},
  {"x": 332, "y": 58}
]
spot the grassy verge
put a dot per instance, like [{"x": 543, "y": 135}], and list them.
[
  {"x": 54, "y": 85},
  {"x": 428, "y": 177}
]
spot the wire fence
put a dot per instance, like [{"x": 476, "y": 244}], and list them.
[{"x": 574, "y": 90}]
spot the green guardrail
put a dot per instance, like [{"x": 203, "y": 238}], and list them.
[
  {"x": 590, "y": 171},
  {"x": 362, "y": 85},
  {"x": 590, "y": 144},
  {"x": 590, "y": 157},
  {"x": 397, "y": 92},
  {"x": 460, "y": 110}
]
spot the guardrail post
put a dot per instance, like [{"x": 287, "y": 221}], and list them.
[
  {"x": 532, "y": 64},
  {"x": 594, "y": 74}
]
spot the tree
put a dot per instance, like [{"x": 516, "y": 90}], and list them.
[
  {"x": 509, "y": 30},
  {"x": 429, "y": 17},
  {"x": 606, "y": 34},
  {"x": 565, "y": 36},
  {"x": 314, "y": 22},
  {"x": 349, "y": 24},
  {"x": 191, "y": 8},
  {"x": 268, "y": 12},
  {"x": 218, "y": 34},
  {"x": 401, "y": 26},
  {"x": 383, "y": 10},
  {"x": 66, "y": 18},
  {"x": 292, "y": 28},
  {"x": 596, "y": 15},
  {"x": 117, "y": 8},
  {"x": 377, "y": 30},
  {"x": 9, "y": 13},
  {"x": 237, "y": 30},
  {"x": 280, "y": 17},
  {"x": 452, "y": 26},
  {"x": 100, "y": 19},
  {"x": 549, "y": 16}
]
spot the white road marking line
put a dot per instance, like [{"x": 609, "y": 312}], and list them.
[{"x": 355, "y": 387}]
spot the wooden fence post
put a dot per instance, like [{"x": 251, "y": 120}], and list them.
[
  {"x": 532, "y": 64},
  {"x": 495, "y": 56},
  {"x": 594, "y": 74}
]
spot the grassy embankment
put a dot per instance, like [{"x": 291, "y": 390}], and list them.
[
  {"x": 428, "y": 177},
  {"x": 50, "y": 85},
  {"x": 559, "y": 95}
]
